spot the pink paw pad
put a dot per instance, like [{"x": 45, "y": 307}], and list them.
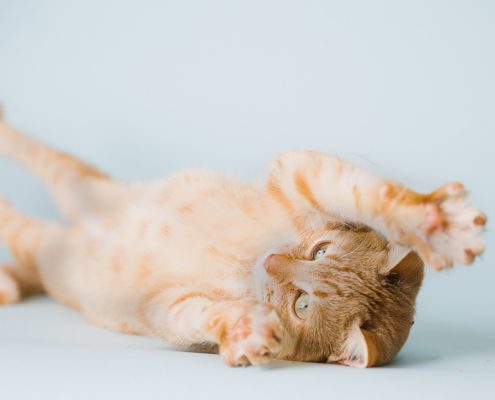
[
  {"x": 241, "y": 330},
  {"x": 256, "y": 338},
  {"x": 433, "y": 220}
]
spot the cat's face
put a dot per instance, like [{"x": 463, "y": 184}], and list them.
[{"x": 343, "y": 295}]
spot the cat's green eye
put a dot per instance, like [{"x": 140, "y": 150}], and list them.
[
  {"x": 301, "y": 306},
  {"x": 320, "y": 251}
]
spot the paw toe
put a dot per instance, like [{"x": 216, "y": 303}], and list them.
[
  {"x": 480, "y": 219},
  {"x": 455, "y": 189}
]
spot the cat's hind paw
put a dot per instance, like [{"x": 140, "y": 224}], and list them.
[
  {"x": 255, "y": 338},
  {"x": 9, "y": 289}
]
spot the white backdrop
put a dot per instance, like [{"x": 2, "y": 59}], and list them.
[{"x": 143, "y": 88}]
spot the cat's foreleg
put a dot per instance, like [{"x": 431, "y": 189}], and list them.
[
  {"x": 441, "y": 226},
  {"x": 246, "y": 332}
]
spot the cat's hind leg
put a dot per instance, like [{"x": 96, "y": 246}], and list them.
[
  {"x": 18, "y": 281},
  {"x": 78, "y": 188},
  {"x": 10, "y": 291},
  {"x": 23, "y": 236}
]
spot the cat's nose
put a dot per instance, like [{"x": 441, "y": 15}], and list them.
[
  {"x": 271, "y": 263},
  {"x": 279, "y": 267}
]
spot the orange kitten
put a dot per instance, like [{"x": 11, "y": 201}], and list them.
[{"x": 287, "y": 268}]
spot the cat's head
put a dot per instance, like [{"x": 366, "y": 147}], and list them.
[{"x": 344, "y": 295}]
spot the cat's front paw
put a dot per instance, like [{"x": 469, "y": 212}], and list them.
[
  {"x": 255, "y": 338},
  {"x": 442, "y": 226}
]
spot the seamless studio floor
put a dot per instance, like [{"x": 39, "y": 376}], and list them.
[{"x": 48, "y": 351}]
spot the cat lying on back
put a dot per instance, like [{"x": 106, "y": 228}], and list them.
[{"x": 290, "y": 268}]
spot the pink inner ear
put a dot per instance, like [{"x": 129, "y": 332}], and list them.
[{"x": 355, "y": 350}]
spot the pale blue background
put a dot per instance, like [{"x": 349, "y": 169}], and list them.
[{"x": 143, "y": 88}]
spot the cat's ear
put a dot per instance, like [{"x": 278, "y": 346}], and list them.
[
  {"x": 395, "y": 255},
  {"x": 401, "y": 260},
  {"x": 359, "y": 349}
]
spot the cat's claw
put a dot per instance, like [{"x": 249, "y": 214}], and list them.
[
  {"x": 447, "y": 228},
  {"x": 255, "y": 338}
]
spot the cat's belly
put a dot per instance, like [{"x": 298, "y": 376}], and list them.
[
  {"x": 108, "y": 273},
  {"x": 201, "y": 238}
]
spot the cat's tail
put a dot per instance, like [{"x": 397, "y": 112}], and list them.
[
  {"x": 49, "y": 164},
  {"x": 78, "y": 187}
]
